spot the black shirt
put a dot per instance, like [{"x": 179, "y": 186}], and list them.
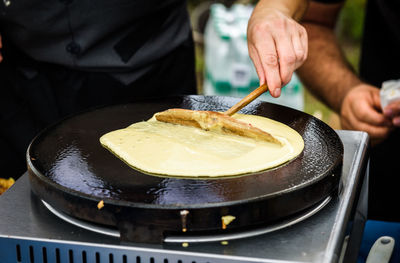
[
  {"x": 380, "y": 56},
  {"x": 380, "y": 61},
  {"x": 115, "y": 36}
]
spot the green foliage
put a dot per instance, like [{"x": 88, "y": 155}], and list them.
[
  {"x": 351, "y": 19},
  {"x": 350, "y": 30},
  {"x": 193, "y": 3}
]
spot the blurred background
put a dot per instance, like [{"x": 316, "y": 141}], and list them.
[{"x": 223, "y": 66}]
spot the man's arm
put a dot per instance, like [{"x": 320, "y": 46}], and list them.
[
  {"x": 327, "y": 74},
  {"x": 277, "y": 43}
]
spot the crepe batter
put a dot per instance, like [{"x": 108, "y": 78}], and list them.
[{"x": 175, "y": 150}]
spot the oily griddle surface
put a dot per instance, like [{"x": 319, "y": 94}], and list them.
[{"x": 67, "y": 162}]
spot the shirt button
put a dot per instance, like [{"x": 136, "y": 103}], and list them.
[{"x": 73, "y": 48}]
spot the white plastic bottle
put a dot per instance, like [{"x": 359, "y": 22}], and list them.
[
  {"x": 217, "y": 39},
  {"x": 229, "y": 70}
]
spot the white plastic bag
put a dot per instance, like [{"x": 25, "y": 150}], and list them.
[{"x": 390, "y": 92}]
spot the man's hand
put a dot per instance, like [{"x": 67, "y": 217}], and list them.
[
  {"x": 277, "y": 45},
  {"x": 392, "y": 111},
  {"x": 361, "y": 110}
]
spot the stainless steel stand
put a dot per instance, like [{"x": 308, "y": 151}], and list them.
[{"x": 29, "y": 232}]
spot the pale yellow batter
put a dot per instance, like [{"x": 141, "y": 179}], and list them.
[{"x": 168, "y": 149}]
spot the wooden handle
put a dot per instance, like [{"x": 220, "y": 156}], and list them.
[{"x": 246, "y": 100}]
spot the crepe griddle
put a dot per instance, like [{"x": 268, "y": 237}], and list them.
[{"x": 69, "y": 169}]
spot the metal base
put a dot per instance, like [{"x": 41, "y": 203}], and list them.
[{"x": 197, "y": 238}]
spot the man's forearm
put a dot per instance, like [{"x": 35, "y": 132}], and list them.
[
  {"x": 292, "y": 8},
  {"x": 326, "y": 72}
]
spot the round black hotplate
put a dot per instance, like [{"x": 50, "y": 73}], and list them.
[{"x": 69, "y": 169}]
